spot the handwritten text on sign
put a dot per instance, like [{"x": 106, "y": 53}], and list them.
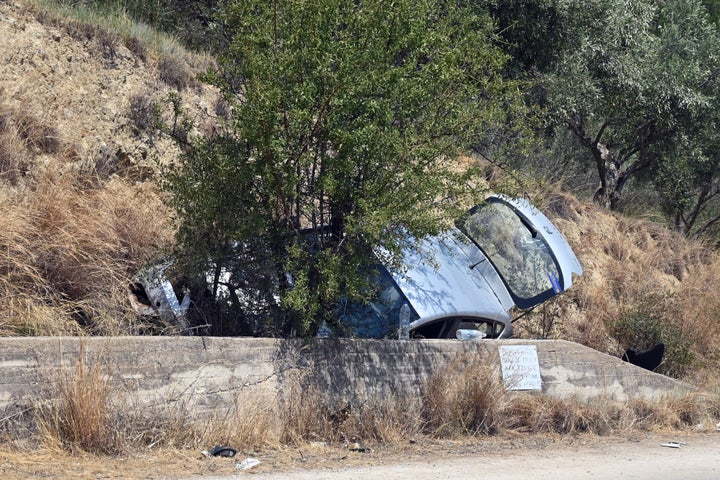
[{"x": 520, "y": 367}]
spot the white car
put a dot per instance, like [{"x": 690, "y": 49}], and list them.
[
  {"x": 503, "y": 253},
  {"x": 463, "y": 283}
]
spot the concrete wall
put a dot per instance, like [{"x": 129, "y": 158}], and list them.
[{"x": 209, "y": 376}]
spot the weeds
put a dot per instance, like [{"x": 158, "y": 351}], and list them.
[
  {"x": 145, "y": 114},
  {"x": 66, "y": 250},
  {"x": 23, "y": 136},
  {"x": 174, "y": 72},
  {"x": 463, "y": 399},
  {"x": 80, "y": 418},
  {"x": 466, "y": 398}
]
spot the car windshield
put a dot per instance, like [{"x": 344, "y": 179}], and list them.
[
  {"x": 376, "y": 318},
  {"x": 518, "y": 252}
]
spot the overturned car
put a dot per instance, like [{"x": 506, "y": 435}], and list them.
[{"x": 464, "y": 283}]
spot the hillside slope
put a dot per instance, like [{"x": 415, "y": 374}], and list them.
[
  {"x": 79, "y": 145},
  {"x": 81, "y": 135}
]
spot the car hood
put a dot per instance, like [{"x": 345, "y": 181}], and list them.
[{"x": 438, "y": 282}]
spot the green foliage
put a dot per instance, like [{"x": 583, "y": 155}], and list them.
[
  {"x": 636, "y": 84},
  {"x": 645, "y": 324},
  {"x": 713, "y": 8},
  {"x": 533, "y": 33},
  {"x": 346, "y": 123}
]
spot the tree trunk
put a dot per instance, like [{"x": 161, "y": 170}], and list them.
[{"x": 611, "y": 181}]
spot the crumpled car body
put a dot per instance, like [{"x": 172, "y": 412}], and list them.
[
  {"x": 152, "y": 295},
  {"x": 464, "y": 283}
]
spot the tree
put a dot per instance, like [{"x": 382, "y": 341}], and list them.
[
  {"x": 346, "y": 122},
  {"x": 632, "y": 76},
  {"x": 689, "y": 181}
]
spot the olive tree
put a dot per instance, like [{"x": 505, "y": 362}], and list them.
[
  {"x": 346, "y": 120},
  {"x": 634, "y": 77}
]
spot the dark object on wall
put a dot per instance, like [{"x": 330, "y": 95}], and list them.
[{"x": 649, "y": 359}]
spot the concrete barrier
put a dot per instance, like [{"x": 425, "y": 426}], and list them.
[{"x": 207, "y": 375}]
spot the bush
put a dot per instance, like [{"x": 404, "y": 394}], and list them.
[
  {"x": 175, "y": 73},
  {"x": 144, "y": 113},
  {"x": 647, "y": 323}
]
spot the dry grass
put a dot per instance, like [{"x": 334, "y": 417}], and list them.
[
  {"x": 634, "y": 271},
  {"x": 80, "y": 417},
  {"x": 70, "y": 241},
  {"x": 23, "y": 136},
  {"x": 466, "y": 398},
  {"x": 67, "y": 255},
  {"x": 176, "y": 73}
]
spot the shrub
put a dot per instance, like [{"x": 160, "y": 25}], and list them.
[
  {"x": 137, "y": 47},
  {"x": 648, "y": 322},
  {"x": 144, "y": 113},
  {"x": 175, "y": 73},
  {"x": 466, "y": 397}
]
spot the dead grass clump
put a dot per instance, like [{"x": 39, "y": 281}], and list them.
[
  {"x": 92, "y": 248},
  {"x": 699, "y": 307},
  {"x": 174, "y": 72},
  {"x": 73, "y": 251},
  {"x": 251, "y": 424},
  {"x": 568, "y": 417},
  {"x": 466, "y": 398},
  {"x": 387, "y": 420},
  {"x": 137, "y": 47},
  {"x": 139, "y": 427},
  {"x": 38, "y": 135},
  {"x": 539, "y": 414},
  {"x": 14, "y": 160},
  {"x": 305, "y": 416},
  {"x": 81, "y": 416},
  {"x": 697, "y": 411},
  {"x": 23, "y": 135}
]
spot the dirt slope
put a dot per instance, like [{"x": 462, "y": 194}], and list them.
[{"x": 81, "y": 81}]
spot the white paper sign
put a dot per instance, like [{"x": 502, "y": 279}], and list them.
[{"x": 520, "y": 367}]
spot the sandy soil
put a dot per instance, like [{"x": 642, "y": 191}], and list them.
[
  {"x": 560, "y": 458},
  {"x": 696, "y": 458},
  {"x": 73, "y": 83}
]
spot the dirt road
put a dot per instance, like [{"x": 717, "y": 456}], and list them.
[
  {"x": 639, "y": 457},
  {"x": 697, "y": 458}
]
